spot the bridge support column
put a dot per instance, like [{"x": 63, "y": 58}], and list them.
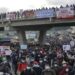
[
  {"x": 22, "y": 38},
  {"x": 42, "y": 35}
]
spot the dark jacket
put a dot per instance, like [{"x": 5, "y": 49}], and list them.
[
  {"x": 63, "y": 71},
  {"x": 28, "y": 72},
  {"x": 38, "y": 70},
  {"x": 5, "y": 69},
  {"x": 48, "y": 72}
]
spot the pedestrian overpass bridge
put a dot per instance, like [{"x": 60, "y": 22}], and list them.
[
  {"x": 42, "y": 25},
  {"x": 34, "y": 22}
]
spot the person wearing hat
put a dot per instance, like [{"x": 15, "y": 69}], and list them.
[
  {"x": 48, "y": 70},
  {"x": 65, "y": 68}
]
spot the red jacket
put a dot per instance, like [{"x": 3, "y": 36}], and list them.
[
  {"x": 22, "y": 66},
  {"x": 63, "y": 71}
]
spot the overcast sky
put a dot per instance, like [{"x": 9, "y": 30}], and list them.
[{"x": 13, "y": 5}]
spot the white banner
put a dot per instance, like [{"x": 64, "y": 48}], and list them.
[
  {"x": 32, "y": 34},
  {"x": 1, "y": 48},
  {"x": 66, "y": 12},
  {"x": 23, "y": 46},
  {"x": 11, "y": 16},
  {"x": 66, "y": 48},
  {"x": 7, "y": 50},
  {"x": 72, "y": 43}
]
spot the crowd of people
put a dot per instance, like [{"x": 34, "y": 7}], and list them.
[
  {"x": 48, "y": 59},
  {"x": 55, "y": 57},
  {"x": 24, "y": 14},
  {"x": 44, "y": 61}
]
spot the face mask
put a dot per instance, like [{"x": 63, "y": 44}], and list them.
[
  {"x": 40, "y": 51},
  {"x": 55, "y": 65},
  {"x": 47, "y": 67},
  {"x": 28, "y": 67},
  {"x": 64, "y": 65},
  {"x": 22, "y": 60},
  {"x": 36, "y": 65},
  {"x": 33, "y": 52},
  {"x": 40, "y": 61},
  {"x": 67, "y": 70},
  {"x": 44, "y": 59}
]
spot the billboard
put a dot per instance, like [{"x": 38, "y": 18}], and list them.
[
  {"x": 11, "y": 15},
  {"x": 29, "y": 14},
  {"x": 1, "y": 48},
  {"x": 45, "y": 13},
  {"x": 5, "y": 50},
  {"x": 66, "y": 48},
  {"x": 23, "y": 46},
  {"x": 65, "y": 12},
  {"x": 32, "y": 36}
]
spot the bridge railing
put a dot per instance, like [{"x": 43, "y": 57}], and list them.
[{"x": 59, "y": 14}]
